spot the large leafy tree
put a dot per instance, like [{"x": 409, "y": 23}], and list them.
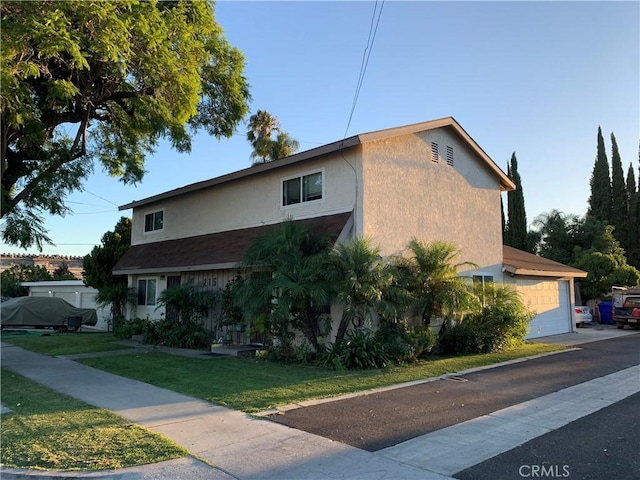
[
  {"x": 106, "y": 81},
  {"x": 260, "y": 133},
  {"x": 63, "y": 273},
  {"x": 98, "y": 265},
  {"x": 516, "y": 227},
  {"x": 11, "y": 279},
  {"x": 600, "y": 200},
  {"x": 605, "y": 270},
  {"x": 588, "y": 244}
]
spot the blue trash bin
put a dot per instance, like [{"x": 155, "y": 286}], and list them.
[{"x": 606, "y": 315}]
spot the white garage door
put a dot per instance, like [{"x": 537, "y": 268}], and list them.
[
  {"x": 68, "y": 296},
  {"x": 550, "y": 300}
]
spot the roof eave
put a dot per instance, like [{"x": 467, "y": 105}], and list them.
[
  {"x": 246, "y": 172},
  {"x": 543, "y": 273},
  {"x": 505, "y": 182}
]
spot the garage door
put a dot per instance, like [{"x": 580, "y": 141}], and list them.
[
  {"x": 68, "y": 296},
  {"x": 550, "y": 300}
]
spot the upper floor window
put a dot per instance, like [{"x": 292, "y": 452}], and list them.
[
  {"x": 147, "y": 292},
  {"x": 305, "y": 188},
  {"x": 154, "y": 221}
]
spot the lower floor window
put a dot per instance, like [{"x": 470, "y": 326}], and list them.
[
  {"x": 480, "y": 282},
  {"x": 146, "y": 292},
  {"x": 482, "y": 279}
]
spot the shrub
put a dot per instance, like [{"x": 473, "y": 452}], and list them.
[
  {"x": 191, "y": 301},
  {"x": 169, "y": 333},
  {"x": 422, "y": 339},
  {"x": 127, "y": 328},
  {"x": 495, "y": 327},
  {"x": 405, "y": 344},
  {"x": 468, "y": 338},
  {"x": 360, "y": 350}
]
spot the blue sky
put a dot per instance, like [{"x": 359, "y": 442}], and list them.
[{"x": 537, "y": 78}]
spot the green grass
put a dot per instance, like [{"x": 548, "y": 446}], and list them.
[
  {"x": 255, "y": 385},
  {"x": 62, "y": 343},
  {"x": 48, "y": 430}
]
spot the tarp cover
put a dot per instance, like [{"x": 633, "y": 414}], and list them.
[{"x": 43, "y": 311}]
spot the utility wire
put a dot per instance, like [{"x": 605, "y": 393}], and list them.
[
  {"x": 101, "y": 198},
  {"x": 86, "y": 204},
  {"x": 365, "y": 59}
]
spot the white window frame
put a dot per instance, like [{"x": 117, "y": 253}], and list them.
[
  {"x": 146, "y": 291},
  {"x": 302, "y": 201},
  {"x": 144, "y": 223},
  {"x": 484, "y": 278}
]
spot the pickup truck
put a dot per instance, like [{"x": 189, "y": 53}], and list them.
[{"x": 626, "y": 306}]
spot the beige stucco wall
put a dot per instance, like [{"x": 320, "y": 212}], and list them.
[
  {"x": 249, "y": 202},
  {"x": 408, "y": 195}
]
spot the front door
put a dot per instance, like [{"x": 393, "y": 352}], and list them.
[{"x": 172, "y": 312}]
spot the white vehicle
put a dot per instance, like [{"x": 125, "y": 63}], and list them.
[{"x": 583, "y": 315}]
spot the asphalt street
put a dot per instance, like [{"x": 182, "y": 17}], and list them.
[
  {"x": 374, "y": 422},
  {"x": 603, "y": 445}
]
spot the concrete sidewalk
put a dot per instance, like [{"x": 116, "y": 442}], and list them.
[
  {"x": 242, "y": 447},
  {"x": 238, "y": 445}
]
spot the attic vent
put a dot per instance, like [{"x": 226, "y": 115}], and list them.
[
  {"x": 449, "y": 155},
  {"x": 434, "y": 152}
]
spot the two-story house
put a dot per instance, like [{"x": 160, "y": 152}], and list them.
[{"x": 429, "y": 180}]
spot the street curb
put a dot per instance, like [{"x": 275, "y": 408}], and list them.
[{"x": 308, "y": 403}]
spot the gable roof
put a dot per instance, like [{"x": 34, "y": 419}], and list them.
[
  {"x": 213, "y": 251},
  {"x": 450, "y": 122},
  {"x": 518, "y": 262}
]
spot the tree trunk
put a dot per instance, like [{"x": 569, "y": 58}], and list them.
[{"x": 342, "y": 329}]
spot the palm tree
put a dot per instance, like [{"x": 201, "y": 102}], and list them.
[
  {"x": 431, "y": 277},
  {"x": 360, "y": 278},
  {"x": 287, "y": 282},
  {"x": 261, "y": 126},
  {"x": 282, "y": 146}
]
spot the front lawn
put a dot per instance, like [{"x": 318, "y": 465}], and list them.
[
  {"x": 48, "y": 430},
  {"x": 51, "y": 343},
  {"x": 255, "y": 385}
]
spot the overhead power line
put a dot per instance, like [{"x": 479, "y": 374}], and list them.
[{"x": 373, "y": 29}]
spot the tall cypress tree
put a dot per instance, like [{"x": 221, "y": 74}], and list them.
[
  {"x": 632, "y": 241},
  {"x": 506, "y": 233},
  {"x": 600, "y": 199},
  {"x": 517, "y": 218},
  {"x": 619, "y": 197},
  {"x": 636, "y": 231},
  {"x": 504, "y": 221}
]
